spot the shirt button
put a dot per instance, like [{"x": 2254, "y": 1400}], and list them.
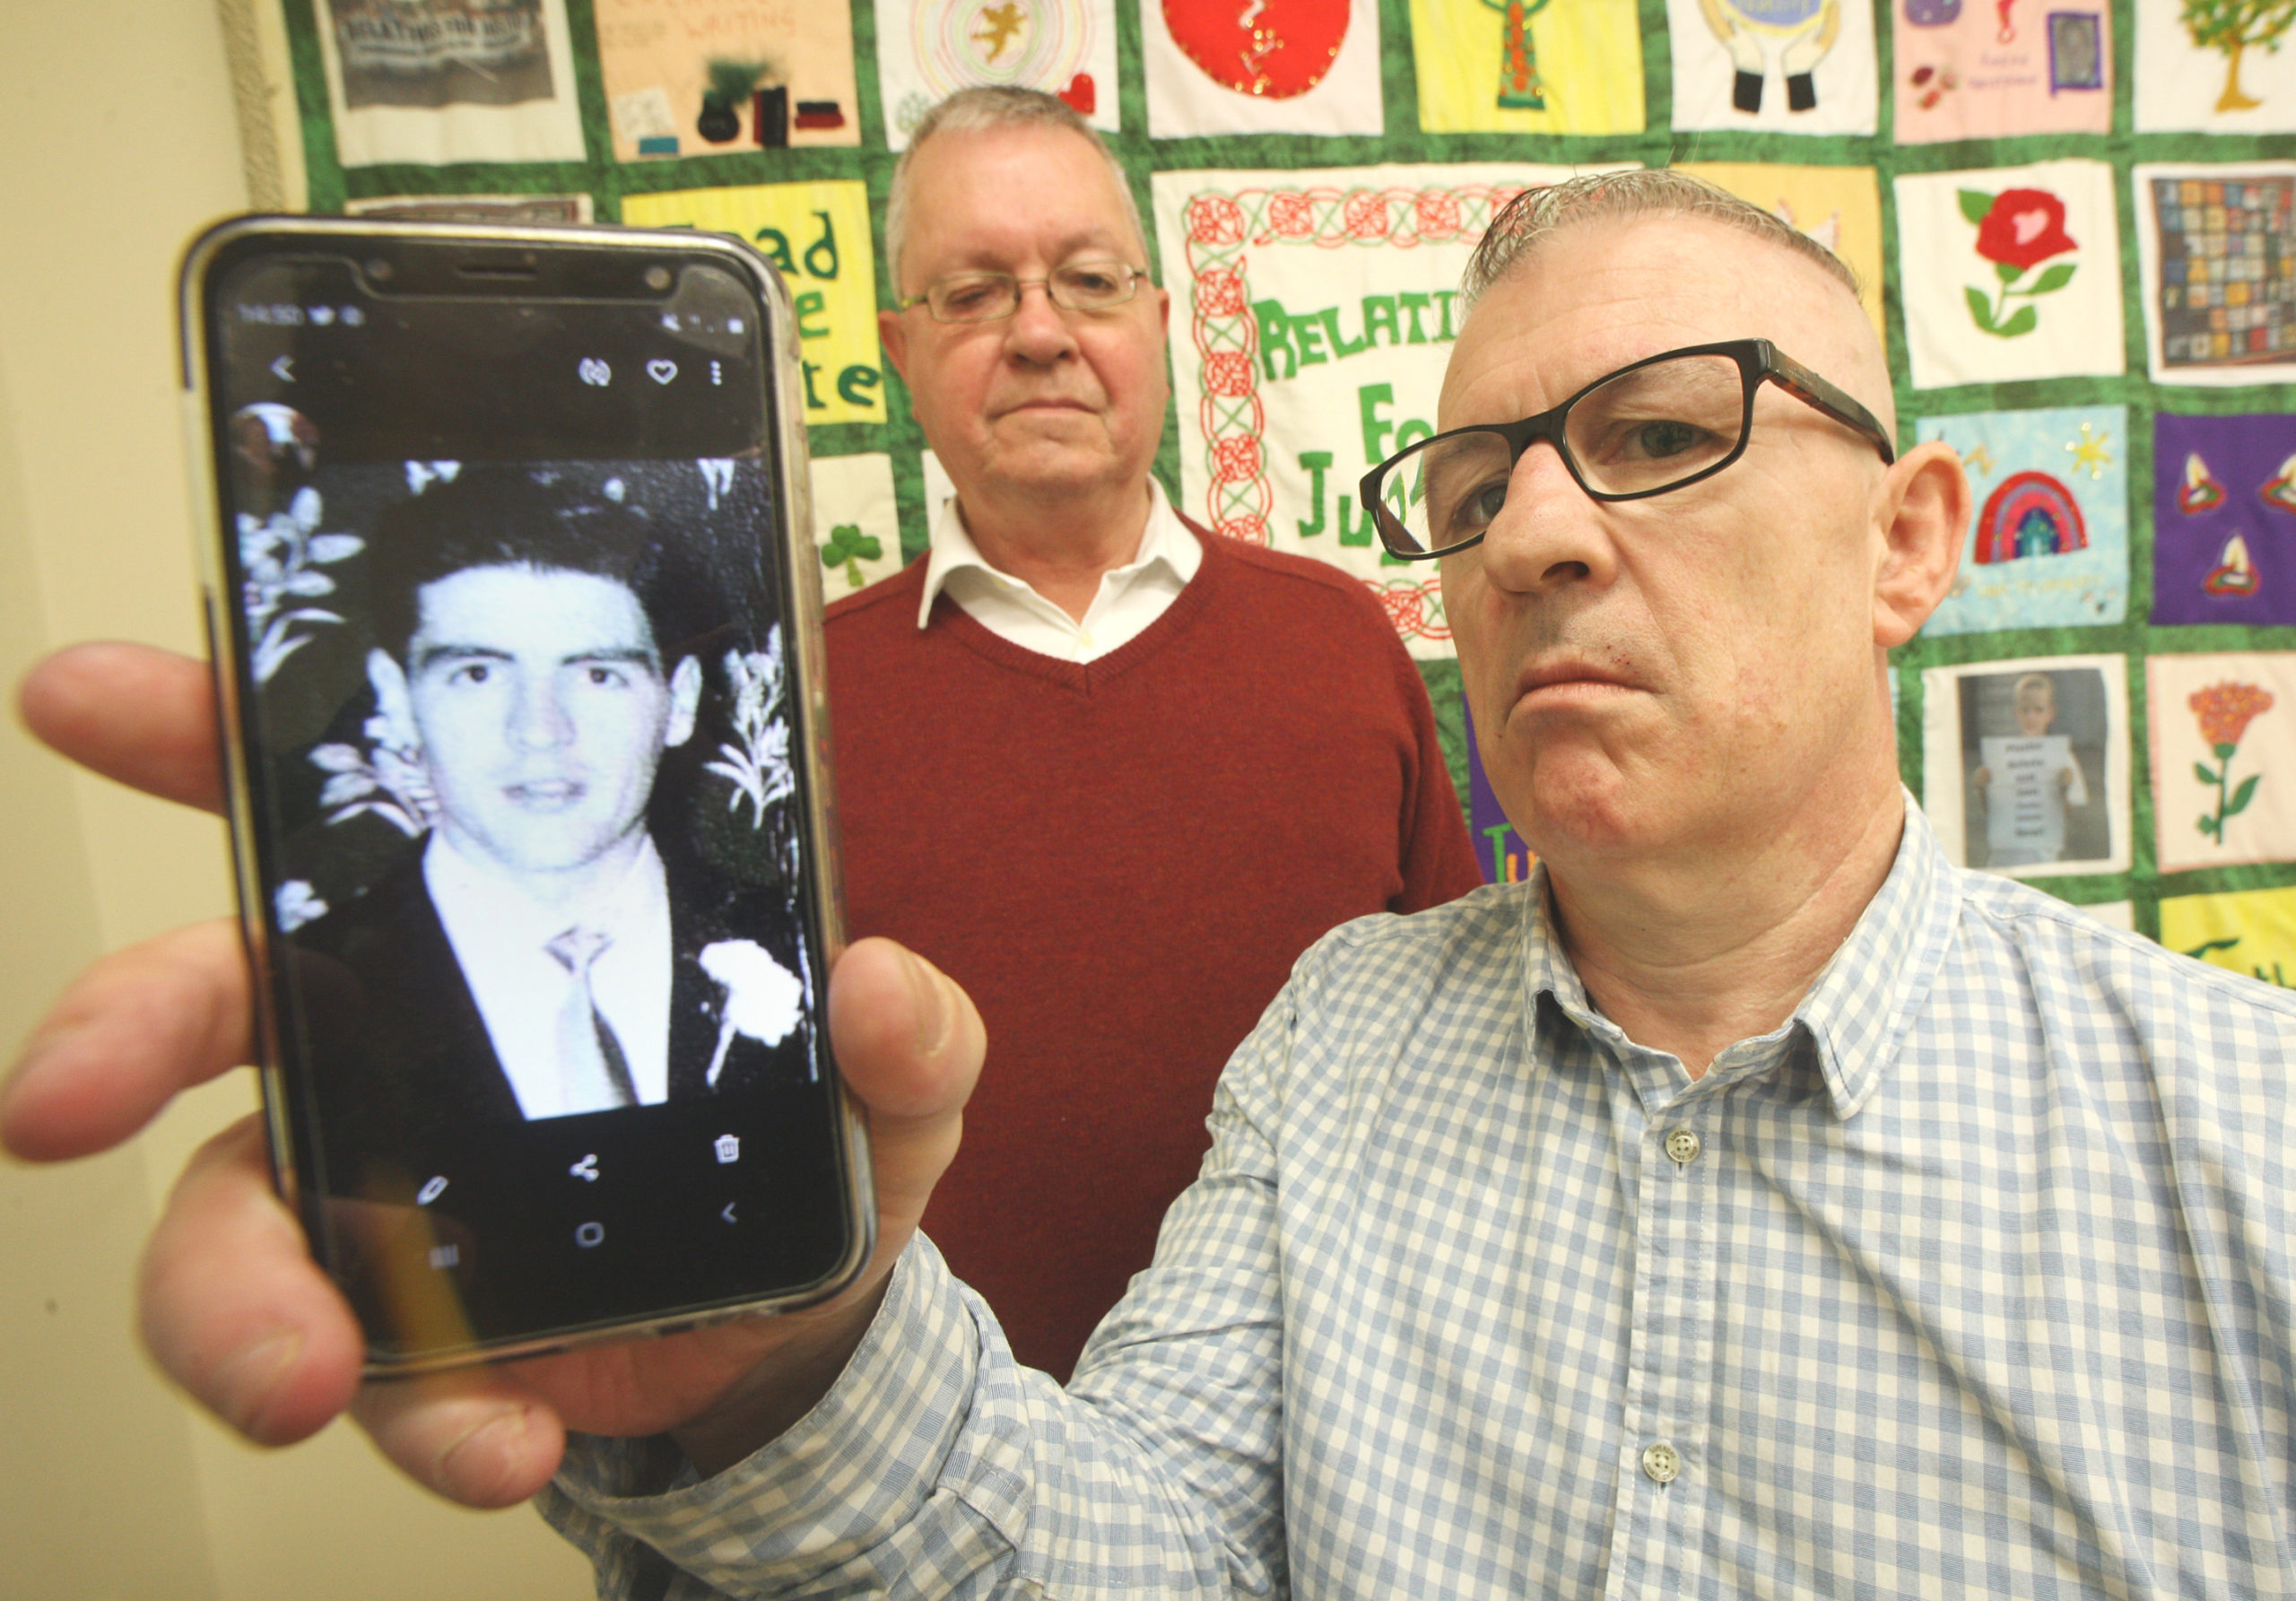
[
  {"x": 1661, "y": 1463},
  {"x": 1683, "y": 1145}
]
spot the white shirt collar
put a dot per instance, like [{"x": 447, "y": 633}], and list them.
[
  {"x": 498, "y": 935},
  {"x": 1130, "y": 596}
]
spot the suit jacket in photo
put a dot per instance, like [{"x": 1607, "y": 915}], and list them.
[{"x": 400, "y": 1050}]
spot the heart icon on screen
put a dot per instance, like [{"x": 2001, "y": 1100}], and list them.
[{"x": 661, "y": 370}]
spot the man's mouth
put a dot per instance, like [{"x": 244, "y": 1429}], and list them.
[
  {"x": 545, "y": 795},
  {"x": 1565, "y": 680},
  {"x": 1548, "y": 674}
]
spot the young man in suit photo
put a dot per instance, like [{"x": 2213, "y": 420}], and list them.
[{"x": 541, "y": 952}]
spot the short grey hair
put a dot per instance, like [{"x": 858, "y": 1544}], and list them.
[
  {"x": 1527, "y": 221},
  {"x": 985, "y": 110}
]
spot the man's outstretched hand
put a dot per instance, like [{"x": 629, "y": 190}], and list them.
[{"x": 232, "y": 1307}]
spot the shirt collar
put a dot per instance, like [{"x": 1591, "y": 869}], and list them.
[
  {"x": 482, "y": 896},
  {"x": 1863, "y": 1001},
  {"x": 1166, "y": 540}
]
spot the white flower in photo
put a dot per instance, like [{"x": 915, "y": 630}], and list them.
[
  {"x": 279, "y": 556},
  {"x": 763, "y": 999},
  {"x": 421, "y": 474},
  {"x": 717, "y": 477},
  {"x": 295, "y": 904},
  {"x": 758, "y": 766},
  {"x": 384, "y": 780}
]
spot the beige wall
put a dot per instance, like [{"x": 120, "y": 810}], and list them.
[{"x": 116, "y": 118}]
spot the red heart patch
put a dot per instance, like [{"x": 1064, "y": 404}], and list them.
[{"x": 1273, "y": 50}]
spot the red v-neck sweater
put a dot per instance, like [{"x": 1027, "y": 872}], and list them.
[{"x": 1119, "y": 861}]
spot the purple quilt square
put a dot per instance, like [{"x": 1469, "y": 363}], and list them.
[
  {"x": 1505, "y": 858},
  {"x": 2225, "y": 520}
]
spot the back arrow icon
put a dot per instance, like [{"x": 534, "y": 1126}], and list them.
[
  {"x": 282, "y": 369},
  {"x": 729, "y": 1213}
]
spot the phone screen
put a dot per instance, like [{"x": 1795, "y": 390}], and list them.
[{"x": 527, "y": 806}]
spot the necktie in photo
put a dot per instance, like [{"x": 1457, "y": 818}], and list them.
[{"x": 596, "y": 1072}]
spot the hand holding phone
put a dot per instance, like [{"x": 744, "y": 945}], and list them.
[
  {"x": 234, "y": 1307},
  {"x": 515, "y": 617}
]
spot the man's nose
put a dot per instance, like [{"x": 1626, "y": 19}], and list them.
[
  {"x": 1039, "y": 330},
  {"x": 539, "y": 719},
  {"x": 1550, "y": 532}
]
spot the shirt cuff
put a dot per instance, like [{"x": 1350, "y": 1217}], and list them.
[{"x": 841, "y": 1482}]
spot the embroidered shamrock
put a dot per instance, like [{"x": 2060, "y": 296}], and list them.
[
  {"x": 2017, "y": 230},
  {"x": 848, "y": 547},
  {"x": 2226, "y": 711}
]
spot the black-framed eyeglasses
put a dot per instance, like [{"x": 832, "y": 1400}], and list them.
[
  {"x": 1662, "y": 424},
  {"x": 990, "y": 297}
]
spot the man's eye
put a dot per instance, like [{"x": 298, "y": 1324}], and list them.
[
  {"x": 1472, "y": 512},
  {"x": 1652, "y": 441},
  {"x": 471, "y": 673},
  {"x": 973, "y": 295},
  {"x": 608, "y": 677},
  {"x": 1091, "y": 282}
]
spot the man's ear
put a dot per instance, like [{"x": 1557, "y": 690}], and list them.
[
  {"x": 893, "y": 334},
  {"x": 1921, "y": 514},
  {"x": 393, "y": 701},
  {"x": 686, "y": 695}
]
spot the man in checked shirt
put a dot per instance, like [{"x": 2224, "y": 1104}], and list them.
[{"x": 1751, "y": 1204}]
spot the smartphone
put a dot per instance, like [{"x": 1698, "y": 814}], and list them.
[{"x": 515, "y": 615}]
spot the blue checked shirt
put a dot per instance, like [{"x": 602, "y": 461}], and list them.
[{"x": 1973, "y": 1278}]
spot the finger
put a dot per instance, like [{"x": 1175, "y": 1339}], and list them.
[
  {"x": 135, "y": 1029},
  {"x": 142, "y": 716},
  {"x": 475, "y": 1435},
  {"x": 909, "y": 1042},
  {"x": 233, "y": 1308}
]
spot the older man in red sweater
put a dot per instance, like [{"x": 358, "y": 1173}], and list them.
[{"x": 1109, "y": 773}]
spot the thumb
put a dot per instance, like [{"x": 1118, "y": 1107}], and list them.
[{"x": 910, "y": 1043}]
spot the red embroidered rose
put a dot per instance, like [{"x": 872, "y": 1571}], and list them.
[
  {"x": 2024, "y": 226},
  {"x": 2225, "y": 711}
]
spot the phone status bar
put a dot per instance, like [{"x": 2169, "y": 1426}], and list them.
[{"x": 288, "y": 315}]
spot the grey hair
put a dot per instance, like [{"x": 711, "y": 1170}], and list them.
[
  {"x": 981, "y": 110},
  {"x": 1525, "y": 222}
]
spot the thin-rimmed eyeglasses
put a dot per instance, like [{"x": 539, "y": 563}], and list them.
[{"x": 990, "y": 297}]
